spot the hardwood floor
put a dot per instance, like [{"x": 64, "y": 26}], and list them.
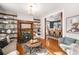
[
  {"x": 52, "y": 46},
  {"x": 20, "y": 49}
]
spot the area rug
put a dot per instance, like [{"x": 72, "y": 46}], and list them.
[{"x": 36, "y": 51}]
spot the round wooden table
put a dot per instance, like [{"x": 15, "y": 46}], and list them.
[{"x": 32, "y": 44}]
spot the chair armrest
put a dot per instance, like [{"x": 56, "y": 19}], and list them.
[
  {"x": 64, "y": 46},
  {"x": 9, "y": 48}
]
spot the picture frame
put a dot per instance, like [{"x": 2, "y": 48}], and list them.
[{"x": 72, "y": 24}]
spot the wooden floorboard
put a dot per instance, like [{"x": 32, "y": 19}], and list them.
[{"x": 52, "y": 46}]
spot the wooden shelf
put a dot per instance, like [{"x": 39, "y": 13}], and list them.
[
  {"x": 7, "y": 23},
  {"x": 26, "y": 22},
  {"x": 7, "y": 14},
  {"x": 36, "y": 21},
  {"x": 8, "y": 18},
  {"x": 28, "y": 29},
  {"x": 36, "y": 28},
  {"x": 7, "y": 33},
  {"x": 2, "y": 18},
  {"x": 25, "y": 28},
  {"x": 13, "y": 38}
]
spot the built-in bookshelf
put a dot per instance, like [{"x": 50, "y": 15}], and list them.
[
  {"x": 8, "y": 26},
  {"x": 36, "y": 26}
]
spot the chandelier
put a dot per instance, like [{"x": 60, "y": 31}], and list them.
[{"x": 32, "y": 8}]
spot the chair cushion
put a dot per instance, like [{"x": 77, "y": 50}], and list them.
[
  {"x": 77, "y": 42},
  {"x": 10, "y": 47},
  {"x": 64, "y": 46},
  {"x": 69, "y": 41},
  {"x": 61, "y": 40}
]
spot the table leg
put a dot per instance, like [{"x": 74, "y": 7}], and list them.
[{"x": 31, "y": 50}]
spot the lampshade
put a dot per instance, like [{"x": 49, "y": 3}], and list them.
[{"x": 32, "y": 8}]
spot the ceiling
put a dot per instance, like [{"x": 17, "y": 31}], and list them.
[{"x": 39, "y": 11}]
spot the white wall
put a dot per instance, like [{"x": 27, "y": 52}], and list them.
[{"x": 70, "y": 10}]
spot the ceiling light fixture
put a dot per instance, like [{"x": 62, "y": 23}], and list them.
[{"x": 32, "y": 8}]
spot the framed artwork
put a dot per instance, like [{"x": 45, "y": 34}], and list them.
[{"x": 72, "y": 24}]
